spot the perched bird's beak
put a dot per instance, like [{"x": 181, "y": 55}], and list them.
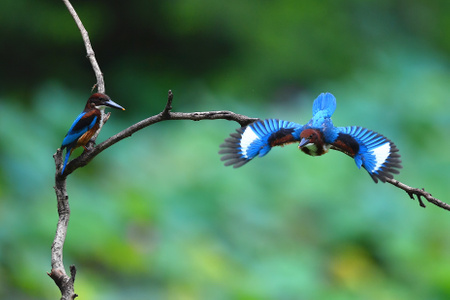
[
  {"x": 303, "y": 142},
  {"x": 113, "y": 104}
]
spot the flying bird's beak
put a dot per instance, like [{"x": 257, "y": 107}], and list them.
[
  {"x": 113, "y": 104},
  {"x": 303, "y": 142}
]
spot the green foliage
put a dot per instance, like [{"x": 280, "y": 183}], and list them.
[{"x": 158, "y": 216}]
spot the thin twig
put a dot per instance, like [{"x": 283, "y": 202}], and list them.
[
  {"x": 168, "y": 108},
  {"x": 89, "y": 50},
  {"x": 419, "y": 193}
]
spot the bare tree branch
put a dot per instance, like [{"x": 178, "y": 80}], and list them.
[
  {"x": 58, "y": 273},
  {"x": 419, "y": 193},
  {"x": 89, "y": 50},
  {"x": 165, "y": 115}
]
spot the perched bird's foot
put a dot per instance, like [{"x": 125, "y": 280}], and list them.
[{"x": 89, "y": 146}]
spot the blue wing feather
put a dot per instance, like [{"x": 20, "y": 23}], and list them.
[
  {"x": 258, "y": 130},
  {"x": 371, "y": 150},
  {"x": 257, "y": 139},
  {"x": 79, "y": 127}
]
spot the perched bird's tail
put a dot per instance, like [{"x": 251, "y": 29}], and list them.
[
  {"x": 257, "y": 139},
  {"x": 68, "y": 152},
  {"x": 325, "y": 102}
]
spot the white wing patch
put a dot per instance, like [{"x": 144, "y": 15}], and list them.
[
  {"x": 248, "y": 137},
  {"x": 381, "y": 153}
]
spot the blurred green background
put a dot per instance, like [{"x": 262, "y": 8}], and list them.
[{"x": 158, "y": 216}]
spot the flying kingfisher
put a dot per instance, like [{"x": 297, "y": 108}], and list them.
[
  {"x": 86, "y": 124},
  {"x": 374, "y": 152}
]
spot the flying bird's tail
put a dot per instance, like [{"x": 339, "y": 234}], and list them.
[{"x": 325, "y": 102}]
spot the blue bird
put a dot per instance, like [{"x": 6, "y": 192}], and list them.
[
  {"x": 370, "y": 150},
  {"x": 86, "y": 124}
]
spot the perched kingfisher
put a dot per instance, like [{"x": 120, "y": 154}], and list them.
[
  {"x": 374, "y": 152},
  {"x": 86, "y": 124}
]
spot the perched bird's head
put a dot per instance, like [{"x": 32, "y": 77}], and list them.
[
  {"x": 311, "y": 142},
  {"x": 100, "y": 101}
]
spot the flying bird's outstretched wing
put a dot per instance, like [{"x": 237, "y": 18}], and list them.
[
  {"x": 374, "y": 152},
  {"x": 257, "y": 139}
]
